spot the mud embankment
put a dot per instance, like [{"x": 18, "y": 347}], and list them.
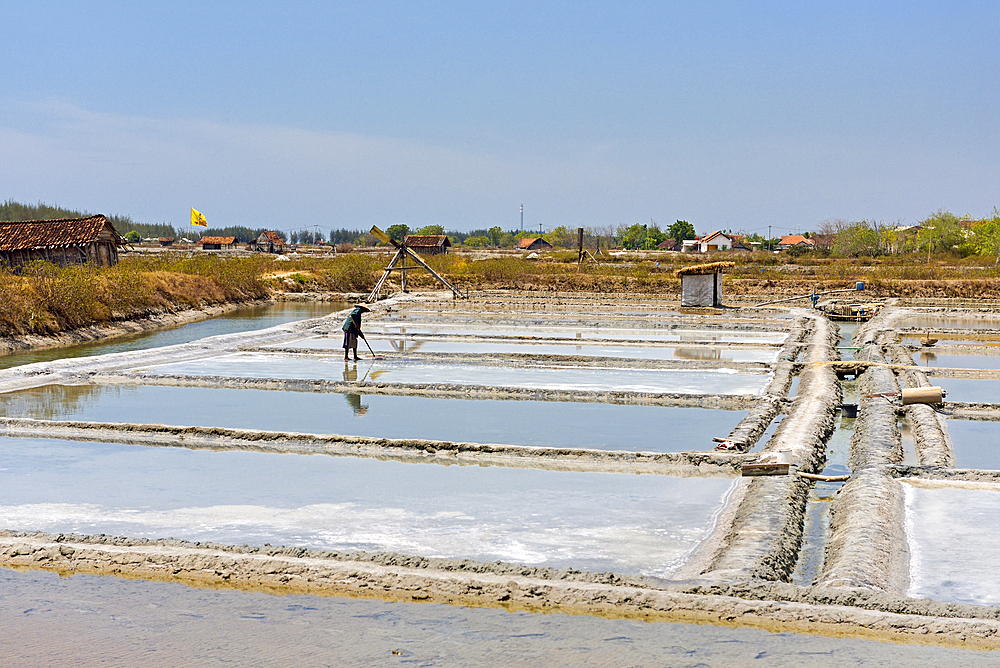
[
  {"x": 120, "y": 328},
  {"x": 477, "y": 584},
  {"x": 679, "y": 464},
  {"x": 760, "y": 532}
]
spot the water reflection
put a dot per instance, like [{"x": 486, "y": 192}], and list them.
[
  {"x": 354, "y": 400},
  {"x": 700, "y": 354},
  {"x": 542, "y": 423},
  {"x": 54, "y": 402}
]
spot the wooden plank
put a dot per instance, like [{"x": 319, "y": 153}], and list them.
[{"x": 765, "y": 469}]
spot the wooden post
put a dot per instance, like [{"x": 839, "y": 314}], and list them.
[
  {"x": 402, "y": 276},
  {"x": 579, "y": 245}
]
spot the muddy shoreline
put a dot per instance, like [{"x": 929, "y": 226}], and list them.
[{"x": 781, "y": 608}]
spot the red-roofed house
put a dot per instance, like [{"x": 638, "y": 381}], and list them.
[
  {"x": 795, "y": 240},
  {"x": 217, "y": 243},
  {"x": 534, "y": 243},
  {"x": 268, "y": 242}
]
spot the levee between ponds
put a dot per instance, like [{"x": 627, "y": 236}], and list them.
[
  {"x": 676, "y": 464},
  {"x": 477, "y": 584}
]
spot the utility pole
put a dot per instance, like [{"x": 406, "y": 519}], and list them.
[
  {"x": 768, "y": 237},
  {"x": 522, "y": 218},
  {"x": 539, "y": 229}
]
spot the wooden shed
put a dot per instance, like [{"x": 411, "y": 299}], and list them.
[
  {"x": 428, "y": 244},
  {"x": 166, "y": 241},
  {"x": 701, "y": 284},
  {"x": 535, "y": 244},
  {"x": 217, "y": 243},
  {"x": 62, "y": 241},
  {"x": 268, "y": 242}
]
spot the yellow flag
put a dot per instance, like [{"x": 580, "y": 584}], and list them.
[{"x": 198, "y": 218}]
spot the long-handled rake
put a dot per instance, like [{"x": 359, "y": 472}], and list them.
[{"x": 378, "y": 357}]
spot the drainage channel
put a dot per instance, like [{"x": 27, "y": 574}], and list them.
[{"x": 816, "y": 527}]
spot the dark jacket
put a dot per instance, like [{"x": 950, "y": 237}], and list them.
[{"x": 353, "y": 322}]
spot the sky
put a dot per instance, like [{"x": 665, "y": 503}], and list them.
[{"x": 289, "y": 115}]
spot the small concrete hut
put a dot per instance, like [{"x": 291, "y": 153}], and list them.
[
  {"x": 62, "y": 241},
  {"x": 701, "y": 284}
]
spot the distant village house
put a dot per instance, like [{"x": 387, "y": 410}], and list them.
[
  {"x": 716, "y": 241},
  {"x": 428, "y": 244},
  {"x": 268, "y": 242},
  {"x": 63, "y": 241},
  {"x": 534, "y": 244},
  {"x": 217, "y": 243},
  {"x": 166, "y": 241},
  {"x": 793, "y": 240}
]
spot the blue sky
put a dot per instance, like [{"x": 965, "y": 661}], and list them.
[{"x": 286, "y": 115}]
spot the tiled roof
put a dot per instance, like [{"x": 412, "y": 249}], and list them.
[
  {"x": 717, "y": 233},
  {"x": 273, "y": 237},
  {"x": 224, "y": 241},
  {"x": 165, "y": 239},
  {"x": 428, "y": 240},
  {"x": 525, "y": 242},
  {"x": 27, "y": 234},
  {"x": 795, "y": 239}
]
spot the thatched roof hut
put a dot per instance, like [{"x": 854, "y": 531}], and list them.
[{"x": 701, "y": 284}]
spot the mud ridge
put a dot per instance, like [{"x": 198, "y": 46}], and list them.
[
  {"x": 682, "y": 464},
  {"x": 398, "y": 577},
  {"x": 454, "y": 391}
]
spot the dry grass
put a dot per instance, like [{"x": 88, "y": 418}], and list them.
[{"x": 45, "y": 299}]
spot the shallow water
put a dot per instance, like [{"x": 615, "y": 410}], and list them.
[
  {"x": 968, "y": 390},
  {"x": 931, "y": 359},
  {"x": 590, "y": 521},
  {"x": 977, "y": 443},
  {"x": 240, "y": 320},
  {"x": 275, "y": 365},
  {"x": 952, "y": 557},
  {"x": 542, "y": 423},
  {"x": 86, "y": 620},
  {"x": 636, "y": 334},
  {"x": 403, "y": 345},
  {"x": 931, "y": 321},
  {"x": 816, "y": 529}
]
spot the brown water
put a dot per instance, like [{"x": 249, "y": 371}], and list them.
[{"x": 101, "y": 621}]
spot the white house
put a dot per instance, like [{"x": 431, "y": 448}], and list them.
[{"x": 716, "y": 241}]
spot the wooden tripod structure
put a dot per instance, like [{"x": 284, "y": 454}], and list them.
[{"x": 398, "y": 263}]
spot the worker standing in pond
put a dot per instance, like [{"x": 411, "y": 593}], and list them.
[{"x": 352, "y": 330}]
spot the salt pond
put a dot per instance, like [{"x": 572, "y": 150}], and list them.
[
  {"x": 542, "y": 423},
  {"x": 402, "y": 346},
  {"x": 948, "y": 361},
  {"x": 630, "y": 524},
  {"x": 977, "y": 443},
  {"x": 239, "y": 320},
  {"x": 949, "y": 321},
  {"x": 952, "y": 550},
  {"x": 969, "y": 390},
  {"x": 273, "y": 365},
  {"x": 91, "y": 620},
  {"x": 637, "y": 334}
]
